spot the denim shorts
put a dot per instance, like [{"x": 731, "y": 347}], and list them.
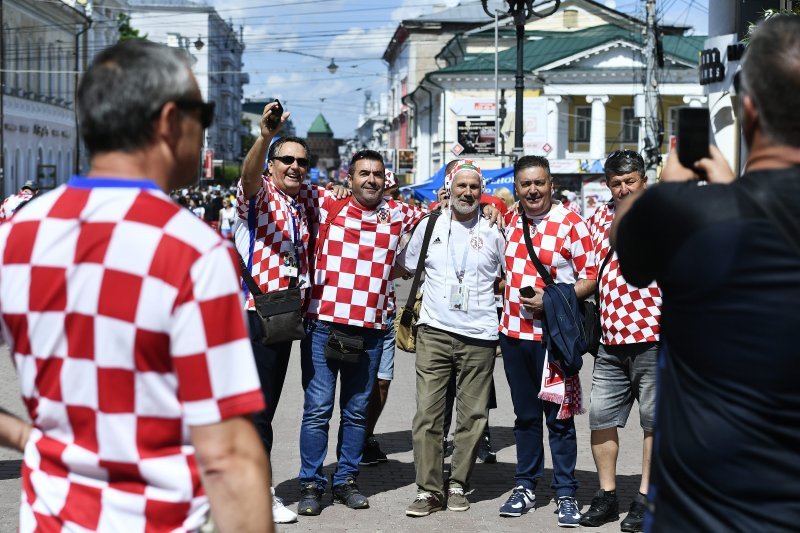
[
  {"x": 622, "y": 374},
  {"x": 386, "y": 365}
]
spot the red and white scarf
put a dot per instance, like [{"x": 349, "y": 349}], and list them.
[{"x": 565, "y": 391}]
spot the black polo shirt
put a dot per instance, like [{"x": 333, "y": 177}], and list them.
[{"x": 727, "y": 449}]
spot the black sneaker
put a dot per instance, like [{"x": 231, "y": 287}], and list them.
[
  {"x": 310, "y": 503},
  {"x": 348, "y": 494},
  {"x": 603, "y": 509},
  {"x": 635, "y": 519},
  {"x": 372, "y": 453},
  {"x": 485, "y": 452}
]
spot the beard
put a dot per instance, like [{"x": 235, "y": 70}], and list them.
[{"x": 462, "y": 207}]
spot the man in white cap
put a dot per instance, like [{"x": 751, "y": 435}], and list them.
[{"x": 458, "y": 331}]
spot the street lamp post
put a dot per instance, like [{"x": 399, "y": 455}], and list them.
[
  {"x": 332, "y": 66},
  {"x": 521, "y": 11}
]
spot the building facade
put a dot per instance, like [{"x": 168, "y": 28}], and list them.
[
  {"x": 584, "y": 97},
  {"x": 46, "y": 46},
  {"x": 215, "y": 47}
]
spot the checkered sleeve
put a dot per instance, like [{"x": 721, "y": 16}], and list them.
[
  {"x": 412, "y": 216},
  {"x": 243, "y": 203},
  {"x": 311, "y": 197},
  {"x": 211, "y": 352},
  {"x": 581, "y": 248}
]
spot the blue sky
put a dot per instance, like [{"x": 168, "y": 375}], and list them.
[{"x": 354, "y": 33}]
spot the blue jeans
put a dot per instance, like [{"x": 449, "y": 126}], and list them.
[
  {"x": 524, "y": 362},
  {"x": 319, "y": 384}
]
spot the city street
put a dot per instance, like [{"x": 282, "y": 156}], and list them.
[{"x": 390, "y": 486}]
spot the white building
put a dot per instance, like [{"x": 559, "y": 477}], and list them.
[
  {"x": 216, "y": 48},
  {"x": 45, "y": 45},
  {"x": 583, "y": 97}
]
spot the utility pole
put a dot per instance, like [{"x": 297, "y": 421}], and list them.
[{"x": 654, "y": 132}]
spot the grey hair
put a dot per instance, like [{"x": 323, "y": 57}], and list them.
[
  {"x": 123, "y": 89},
  {"x": 771, "y": 76}
]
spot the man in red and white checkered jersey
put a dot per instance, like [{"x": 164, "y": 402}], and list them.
[
  {"x": 625, "y": 368},
  {"x": 562, "y": 243},
  {"x": 271, "y": 235},
  {"x": 124, "y": 317},
  {"x": 15, "y": 201},
  {"x": 349, "y": 296}
]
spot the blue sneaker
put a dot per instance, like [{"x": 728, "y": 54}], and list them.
[
  {"x": 568, "y": 514},
  {"x": 519, "y": 502}
]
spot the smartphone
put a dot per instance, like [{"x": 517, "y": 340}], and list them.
[
  {"x": 527, "y": 292},
  {"x": 275, "y": 115},
  {"x": 693, "y": 138}
]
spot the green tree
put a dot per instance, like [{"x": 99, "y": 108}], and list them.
[{"x": 126, "y": 31}]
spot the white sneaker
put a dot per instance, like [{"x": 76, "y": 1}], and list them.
[{"x": 280, "y": 513}]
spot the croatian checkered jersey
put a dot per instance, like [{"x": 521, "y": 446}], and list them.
[
  {"x": 351, "y": 276},
  {"x": 627, "y": 314},
  {"x": 123, "y": 314},
  {"x": 562, "y": 242},
  {"x": 271, "y": 232}
]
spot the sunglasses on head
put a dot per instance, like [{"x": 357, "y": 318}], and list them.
[{"x": 288, "y": 160}]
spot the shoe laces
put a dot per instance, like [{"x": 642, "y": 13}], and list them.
[
  {"x": 567, "y": 505},
  {"x": 456, "y": 490},
  {"x": 518, "y": 494},
  {"x": 423, "y": 496}
]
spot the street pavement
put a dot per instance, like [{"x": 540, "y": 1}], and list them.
[{"x": 390, "y": 486}]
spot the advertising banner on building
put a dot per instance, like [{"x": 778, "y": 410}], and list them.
[
  {"x": 208, "y": 164},
  {"x": 477, "y": 136},
  {"x": 595, "y": 193},
  {"x": 534, "y": 137},
  {"x": 405, "y": 161}
]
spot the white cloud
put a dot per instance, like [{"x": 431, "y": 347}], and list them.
[
  {"x": 360, "y": 43},
  {"x": 409, "y": 9}
]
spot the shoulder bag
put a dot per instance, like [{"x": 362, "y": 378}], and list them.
[
  {"x": 405, "y": 325},
  {"x": 280, "y": 312}
]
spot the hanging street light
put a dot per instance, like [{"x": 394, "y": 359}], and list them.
[{"x": 522, "y": 10}]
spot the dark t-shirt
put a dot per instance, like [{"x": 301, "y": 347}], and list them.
[{"x": 727, "y": 454}]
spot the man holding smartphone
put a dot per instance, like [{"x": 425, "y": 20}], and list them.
[
  {"x": 625, "y": 367},
  {"x": 271, "y": 235},
  {"x": 561, "y": 240},
  {"x": 727, "y": 256}
]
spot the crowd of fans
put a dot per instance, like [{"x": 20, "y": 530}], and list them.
[{"x": 151, "y": 375}]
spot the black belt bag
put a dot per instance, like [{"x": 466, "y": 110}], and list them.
[
  {"x": 281, "y": 315},
  {"x": 344, "y": 347}
]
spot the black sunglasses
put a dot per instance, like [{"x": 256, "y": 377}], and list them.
[
  {"x": 289, "y": 159},
  {"x": 206, "y": 109},
  {"x": 186, "y": 104}
]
